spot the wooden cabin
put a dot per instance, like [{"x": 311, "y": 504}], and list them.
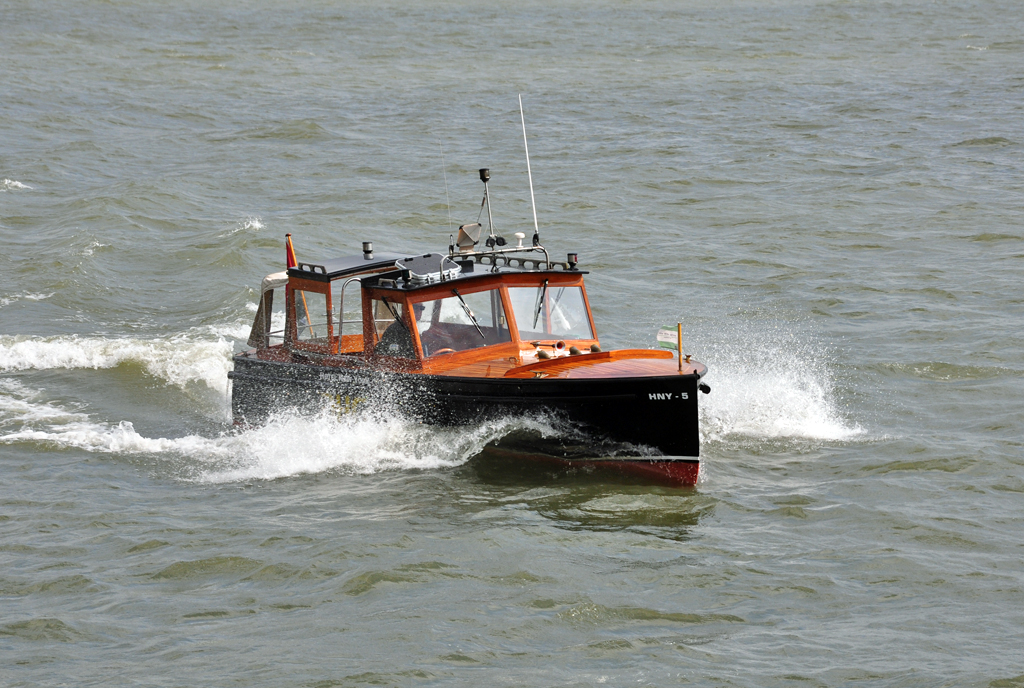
[{"x": 477, "y": 316}]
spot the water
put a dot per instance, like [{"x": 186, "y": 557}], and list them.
[{"x": 827, "y": 194}]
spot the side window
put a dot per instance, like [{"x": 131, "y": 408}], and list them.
[
  {"x": 348, "y": 312},
  {"x": 311, "y": 316},
  {"x": 393, "y": 336},
  {"x": 461, "y": 321},
  {"x": 268, "y": 325}
]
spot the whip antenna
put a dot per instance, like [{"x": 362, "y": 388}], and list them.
[
  {"x": 444, "y": 170},
  {"x": 529, "y": 173}
]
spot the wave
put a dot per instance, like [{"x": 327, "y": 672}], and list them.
[
  {"x": 252, "y": 223},
  {"x": 292, "y": 444},
  {"x": 18, "y": 405},
  {"x": 767, "y": 385},
  {"x": 289, "y": 444},
  {"x": 45, "y": 423},
  {"x": 82, "y": 433},
  {"x": 180, "y": 360},
  {"x": 985, "y": 141},
  {"x": 940, "y": 371},
  {"x": 7, "y": 300},
  {"x": 10, "y": 184}
]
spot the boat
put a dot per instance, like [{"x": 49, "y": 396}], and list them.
[{"x": 457, "y": 337}]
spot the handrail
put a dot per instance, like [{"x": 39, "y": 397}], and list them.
[
  {"x": 341, "y": 307},
  {"x": 494, "y": 253}
]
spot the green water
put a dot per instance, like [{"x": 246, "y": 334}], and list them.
[{"x": 827, "y": 194}]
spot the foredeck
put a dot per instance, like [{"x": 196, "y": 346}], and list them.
[{"x": 600, "y": 365}]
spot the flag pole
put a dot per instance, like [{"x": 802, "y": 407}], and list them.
[
  {"x": 679, "y": 344},
  {"x": 289, "y": 258}
]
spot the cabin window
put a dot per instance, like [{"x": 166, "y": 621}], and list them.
[
  {"x": 547, "y": 312},
  {"x": 461, "y": 321},
  {"x": 393, "y": 336},
  {"x": 311, "y": 316},
  {"x": 347, "y": 301},
  {"x": 268, "y": 325}
]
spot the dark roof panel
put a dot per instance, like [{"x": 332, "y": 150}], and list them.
[{"x": 345, "y": 265}]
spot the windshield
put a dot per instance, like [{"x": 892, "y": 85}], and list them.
[
  {"x": 461, "y": 321},
  {"x": 547, "y": 312}
]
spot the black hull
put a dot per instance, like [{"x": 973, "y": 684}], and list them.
[{"x": 658, "y": 412}]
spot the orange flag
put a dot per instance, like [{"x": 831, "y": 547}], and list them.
[{"x": 289, "y": 251}]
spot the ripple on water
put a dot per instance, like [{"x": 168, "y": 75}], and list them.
[
  {"x": 148, "y": 545},
  {"x": 281, "y": 572},
  {"x": 43, "y": 630},
  {"x": 592, "y": 614},
  {"x": 1013, "y": 682},
  {"x": 992, "y": 237},
  {"x": 212, "y": 567},
  {"x": 942, "y": 371},
  {"x": 997, "y": 141},
  {"x": 365, "y": 582},
  {"x": 947, "y": 465}
]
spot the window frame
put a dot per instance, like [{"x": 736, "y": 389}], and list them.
[
  {"x": 440, "y": 295},
  {"x": 292, "y": 339},
  {"x": 500, "y": 283}
]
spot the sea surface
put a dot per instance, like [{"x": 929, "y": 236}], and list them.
[{"x": 829, "y": 195}]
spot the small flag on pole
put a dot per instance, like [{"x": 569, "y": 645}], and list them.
[
  {"x": 289, "y": 252},
  {"x": 668, "y": 337}
]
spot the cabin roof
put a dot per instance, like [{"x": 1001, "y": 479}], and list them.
[
  {"x": 345, "y": 265},
  {"x": 425, "y": 270},
  {"x": 393, "y": 281}
]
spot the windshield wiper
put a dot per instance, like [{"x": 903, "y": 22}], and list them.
[
  {"x": 469, "y": 313},
  {"x": 540, "y": 303},
  {"x": 394, "y": 314}
]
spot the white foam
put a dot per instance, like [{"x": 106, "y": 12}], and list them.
[
  {"x": 9, "y": 184},
  {"x": 289, "y": 445},
  {"x": 249, "y": 224},
  {"x": 766, "y": 386},
  {"x": 91, "y": 248},
  {"x": 18, "y": 405},
  {"x": 292, "y": 444},
  {"x": 180, "y": 360},
  {"x": 238, "y": 330},
  {"x": 7, "y": 300},
  {"x": 119, "y": 439},
  {"x": 771, "y": 386},
  {"x": 48, "y": 423},
  {"x": 241, "y": 329}
]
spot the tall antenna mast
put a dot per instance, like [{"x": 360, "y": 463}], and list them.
[
  {"x": 444, "y": 169},
  {"x": 529, "y": 173},
  {"x": 485, "y": 176}
]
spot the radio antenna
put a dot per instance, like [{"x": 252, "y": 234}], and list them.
[
  {"x": 444, "y": 170},
  {"x": 529, "y": 173}
]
